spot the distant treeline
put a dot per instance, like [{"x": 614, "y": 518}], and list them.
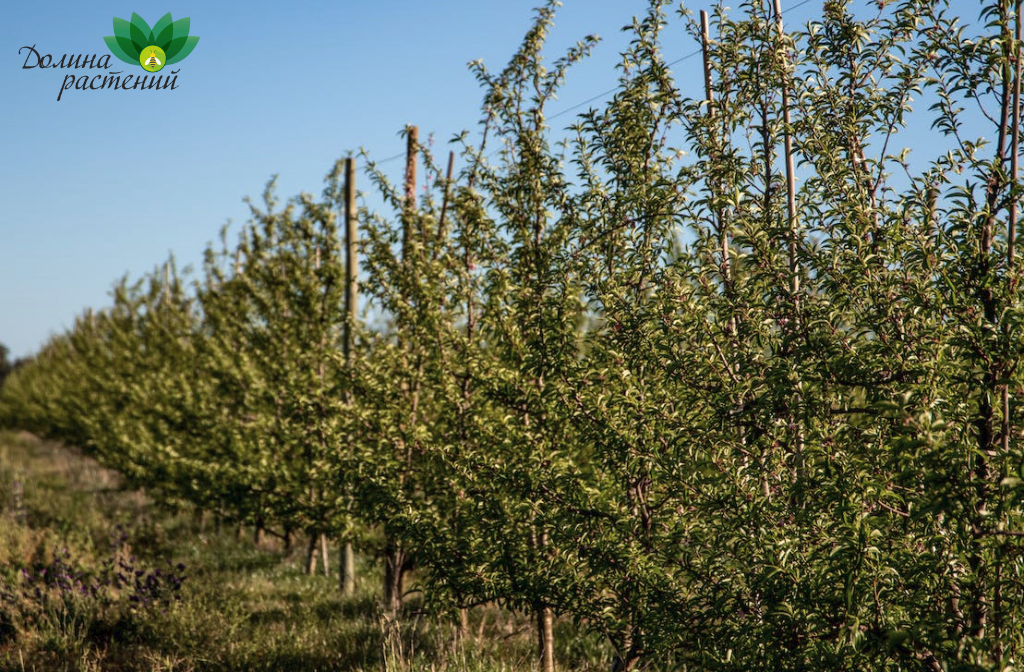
[{"x": 7, "y": 366}]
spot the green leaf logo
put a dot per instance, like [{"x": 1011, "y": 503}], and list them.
[{"x": 153, "y": 48}]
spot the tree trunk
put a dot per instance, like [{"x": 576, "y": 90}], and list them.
[
  {"x": 628, "y": 656},
  {"x": 311, "y": 554},
  {"x": 625, "y": 664},
  {"x": 347, "y": 570},
  {"x": 546, "y": 639},
  {"x": 324, "y": 554},
  {"x": 621, "y": 665},
  {"x": 394, "y": 570}
]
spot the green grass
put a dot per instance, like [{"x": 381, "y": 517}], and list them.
[{"x": 241, "y": 608}]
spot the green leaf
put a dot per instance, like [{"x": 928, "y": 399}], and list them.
[
  {"x": 142, "y": 34},
  {"x": 181, "y": 50},
  {"x": 123, "y": 35},
  {"x": 176, "y": 45},
  {"x": 122, "y": 28},
  {"x": 116, "y": 50},
  {"x": 181, "y": 28},
  {"x": 163, "y": 32},
  {"x": 129, "y": 47}
]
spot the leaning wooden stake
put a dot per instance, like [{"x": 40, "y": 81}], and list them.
[{"x": 347, "y": 561}]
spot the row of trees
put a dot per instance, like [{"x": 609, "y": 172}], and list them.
[
  {"x": 751, "y": 405},
  {"x": 6, "y": 365}
]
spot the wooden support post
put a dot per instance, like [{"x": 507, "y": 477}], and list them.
[
  {"x": 794, "y": 268},
  {"x": 720, "y": 216},
  {"x": 351, "y": 259},
  {"x": 1011, "y": 226},
  {"x": 346, "y": 561},
  {"x": 394, "y": 552},
  {"x": 704, "y": 40},
  {"x": 787, "y": 136},
  {"x": 1011, "y": 234}
]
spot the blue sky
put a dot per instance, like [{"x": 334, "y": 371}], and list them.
[{"x": 104, "y": 183}]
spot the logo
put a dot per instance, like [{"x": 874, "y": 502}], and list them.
[
  {"x": 164, "y": 44},
  {"x": 133, "y": 42}
]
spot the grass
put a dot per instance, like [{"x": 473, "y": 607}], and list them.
[{"x": 68, "y": 528}]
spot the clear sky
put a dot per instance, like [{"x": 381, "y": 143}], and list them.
[{"x": 104, "y": 183}]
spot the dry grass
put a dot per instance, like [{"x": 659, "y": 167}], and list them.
[{"x": 242, "y": 609}]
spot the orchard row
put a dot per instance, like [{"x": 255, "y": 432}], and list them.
[{"x": 723, "y": 375}]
